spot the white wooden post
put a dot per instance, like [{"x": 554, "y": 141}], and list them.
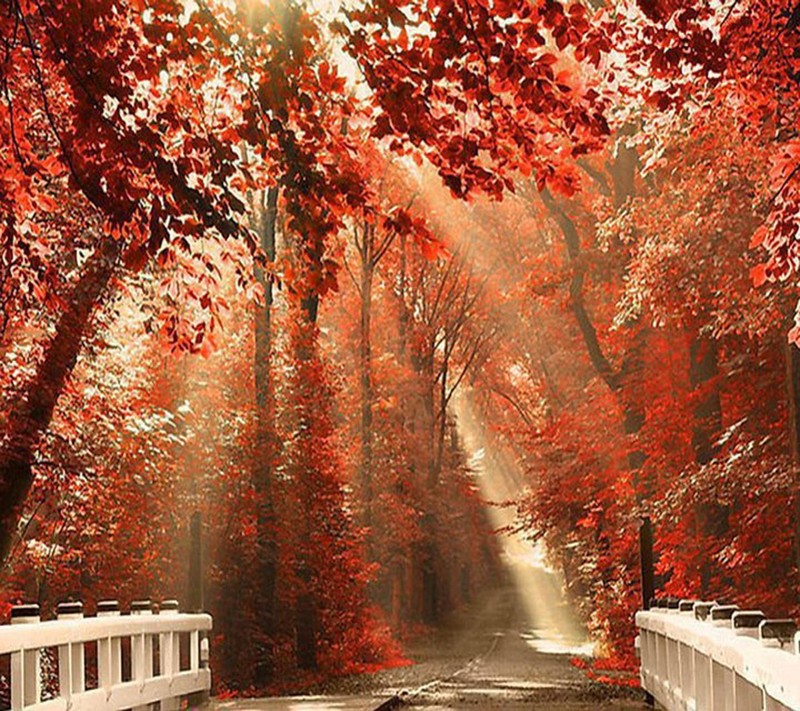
[
  {"x": 141, "y": 649},
  {"x": 169, "y": 655},
  {"x": 205, "y": 651},
  {"x": 26, "y": 685},
  {"x": 199, "y": 664},
  {"x": 109, "y": 650},
  {"x": 71, "y": 667},
  {"x": 194, "y": 653}
]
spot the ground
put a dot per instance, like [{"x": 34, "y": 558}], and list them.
[{"x": 489, "y": 657}]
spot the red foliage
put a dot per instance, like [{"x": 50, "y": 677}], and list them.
[{"x": 621, "y": 316}]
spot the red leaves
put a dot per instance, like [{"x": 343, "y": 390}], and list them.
[
  {"x": 759, "y": 274},
  {"x": 170, "y": 126},
  {"x": 758, "y": 237},
  {"x": 657, "y": 10},
  {"x": 425, "y": 87},
  {"x": 329, "y": 80}
]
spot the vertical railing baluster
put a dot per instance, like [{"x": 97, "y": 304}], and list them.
[
  {"x": 109, "y": 651},
  {"x": 71, "y": 659},
  {"x": 141, "y": 649},
  {"x": 26, "y": 683},
  {"x": 194, "y": 653},
  {"x": 17, "y": 682},
  {"x": 169, "y": 654}
]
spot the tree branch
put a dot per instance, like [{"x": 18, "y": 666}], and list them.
[{"x": 572, "y": 240}]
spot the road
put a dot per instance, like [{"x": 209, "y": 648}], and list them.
[
  {"x": 488, "y": 657},
  {"x": 517, "y": 669}
]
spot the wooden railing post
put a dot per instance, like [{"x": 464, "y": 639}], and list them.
[
  {"x": 109, "y": 650},
  {"x": 169, "y": 655},
  {"x": 141, "y": 649},
  {"x": 26, "y": 685},
  {"x": 646, "y": 561},
  {"x": 71, "y": 668}
]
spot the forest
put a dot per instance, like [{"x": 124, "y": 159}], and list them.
[{"x": 263, "y": 263}]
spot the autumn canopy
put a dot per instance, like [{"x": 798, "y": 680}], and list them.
[{"x": 259, "y": 258}]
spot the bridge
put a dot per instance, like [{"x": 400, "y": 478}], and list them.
[
  {"x": 695, "y": 655},
  {"x": 705, "y": 656},
  {"x": 154, "y": 655}
]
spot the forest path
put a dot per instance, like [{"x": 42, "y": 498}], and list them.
[
  {"x": 519, "y": 668},
  {"x": 488, "y": 657}
]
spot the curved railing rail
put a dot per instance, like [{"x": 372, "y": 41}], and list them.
[
  {"x": 141, "y": 658},
  {"x": 702, "y": 656}
]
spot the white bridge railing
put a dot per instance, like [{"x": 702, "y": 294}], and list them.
[
  {"x": 136, "y": 660},
  {"x": 701, "y": 656}
]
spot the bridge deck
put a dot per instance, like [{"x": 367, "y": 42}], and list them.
[{"x": 303, "y": 703}]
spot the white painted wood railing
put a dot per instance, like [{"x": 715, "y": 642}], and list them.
[
  {"x": 700, "y": 656},
  {"x": 142, "y": 658}
]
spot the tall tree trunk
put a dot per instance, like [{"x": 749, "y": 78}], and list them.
[
  {"x": 306, "y": 606},
  {"x": 441, "y": 416},
  {"x": 367, "y": 395},
  {"x": 404, "y": 315},
  {"x": 793, "y": 399},
  {"x": 403, "y": 592},
  {"x": 265, "y": 447},
  {"x": 706, "y": 429},
  {"x": 435, "y": 571},
  {"x": 704, "y": 369},
  {"x": 634, "y": 415},
  {"x": 427, "y": 558},
  {"x": 34, "y": 411},
  {"x": 428, "y": 412}
]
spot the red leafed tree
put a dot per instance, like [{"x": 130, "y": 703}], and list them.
[
  {"x": 141, "y": 111},
  {"x": 93, "y": 105}
]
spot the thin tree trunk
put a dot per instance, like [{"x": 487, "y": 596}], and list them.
[
  {"x": 367, "y": 395},
  {"x": 428, "y": 413},
  {"x": 404, "y": 315},
  {"x": 265, "y": 447},
  {"x": 793, "y": 398},
  {"x": 403, "y": 604},
  {"x": 306, "y": 606},
  {"x": 712, "y": 518},
  {"x": 441, "y": 417},
  {"x": 305, "y": 610},
  {"x": 704, "y": 369},
  {"x": 429, "y": 582}
]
